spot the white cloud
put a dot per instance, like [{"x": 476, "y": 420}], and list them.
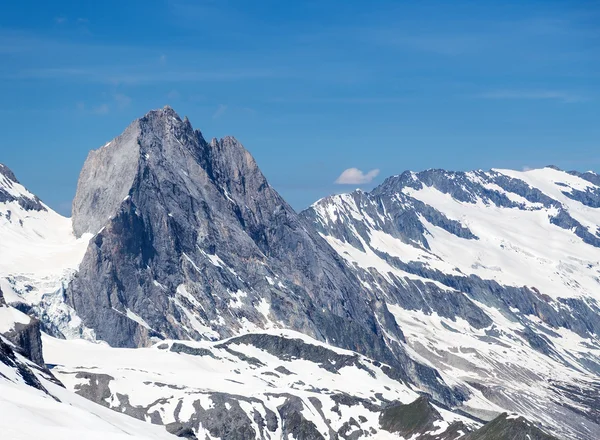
[{"x": 354, "y": 176}]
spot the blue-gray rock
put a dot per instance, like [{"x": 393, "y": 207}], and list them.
[{"x": 191, "y": 242}]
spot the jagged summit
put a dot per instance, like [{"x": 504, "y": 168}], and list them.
[
  {"x": 12, "y": 191},
  {"x": 166, "y": 111},
  {"x": 6, "y": 172},
  {"x": 552, "y": 167},
  {"x": 158, "y": 140}
]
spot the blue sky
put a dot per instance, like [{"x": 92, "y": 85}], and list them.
[{"x": 311, "y": 88}]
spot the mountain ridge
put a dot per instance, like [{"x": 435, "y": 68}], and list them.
[
  {"x": 474, "y": 288},
  {"x": 502, "y": 257}
]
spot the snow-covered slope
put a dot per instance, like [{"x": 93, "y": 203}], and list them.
[
  {"x": 54, "y": 413},
  {"x": 34, "y": 404},
  {"x": 38, "y": 252},
  {"x": 272, "y": 385},
  {"x": 279, "y": 384},
  {"x": 494, "y": 278}
]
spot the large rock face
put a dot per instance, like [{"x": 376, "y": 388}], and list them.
[
  {"x": 106, "y": 178},
  {"x": 493, "y": 278},
  {"x": 23, "y": 331},
  {"x": 191, "y": 242}
]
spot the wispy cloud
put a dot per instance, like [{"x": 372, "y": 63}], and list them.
[
  {"x": 140, "y": 75},
  {"x": 354, "y": 176},
  {"x": 75, "y": 59},
  {"x": 173, "y": 94},
  {"x": 119, "y": 101},
  {"x": 337, "y": 100},
  {"x": 101, "y": 109},
  {"x": 221, "y": 110},
  {"x": 122, "y": 101},
  {"x": 556, "y": 95},
  {"x": 448, "y": 45}
]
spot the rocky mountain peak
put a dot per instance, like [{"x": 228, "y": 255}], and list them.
[
  {"x": 7, "y": 173},
  {"x": 12, "y": 191},
  {"x": 477, "y": 288},
  {"x": 163, "y": 120},
  {"x": 160, "y": 143},
  {"x": 105, "y": 180},
  {"x": 158, "y": 139},
  {"x": 166, "y": 113},
  {"x": 193, "y": 243},
  {"x": 235, "y": 169}
]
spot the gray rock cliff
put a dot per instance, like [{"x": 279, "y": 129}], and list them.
[{"x": 191, "y": 242}]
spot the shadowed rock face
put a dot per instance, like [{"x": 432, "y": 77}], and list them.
[
  {"x": 192, "y": 242},
  {"x": 9, "y": 358},
  {"x": 27, "y": 337},
  {"x": 419, "y": 419},
  {"x": 414, "y": 418},
  {"x": 25, "y": 340},
  {"x": 509, "y": 427}
]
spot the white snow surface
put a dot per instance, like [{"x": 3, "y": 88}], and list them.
[
  {"x": 29, "y": 413},
  {"x": 516, "y": 247},
  {"x": 40, "y": 244},
  {"x": 142, "y": 374},
  {"x": 38, "y": 255},
  {"x": 9, "y": 316}
]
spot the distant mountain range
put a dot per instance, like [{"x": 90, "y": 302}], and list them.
[{"x": 435, "y": 303}]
